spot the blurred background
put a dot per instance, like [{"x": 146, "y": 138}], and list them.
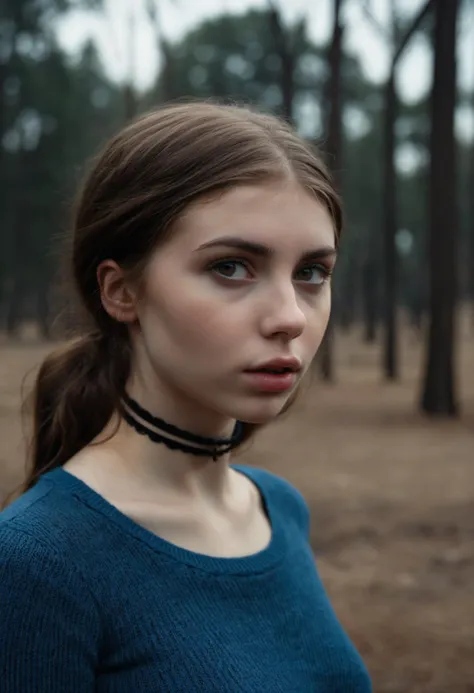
[{"x": 382, "y": 443}]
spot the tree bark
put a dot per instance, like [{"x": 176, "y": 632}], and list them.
[
  {"x": 167, "y": 89},
  {"x": 130, "y": 101},
  {"x": 470, "y": 251},
  {"x": 14, "y": 306},
  {"x": 163, "y": 46},
  {"x": 286, "y": 54},
  {"x": 369, "y": 281},
  {"x": 438, "y": 395},
  {"x": 347, "y": 312},
  {"x": 130, "y": 96},
  {"x": 334, "y": 148},
  {"x": 390, "y": 352},
  {"x": 43, "y": 309},
  {"x": 390, "y": 225}
]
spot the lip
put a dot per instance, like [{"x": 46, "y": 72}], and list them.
[
  {"x": 275, "y": 364},
  {"x": 263, "y": 381},
  {"x": 271, "y": 382}
]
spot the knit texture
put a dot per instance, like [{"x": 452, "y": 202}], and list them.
[{"x": 91, "y": 602}]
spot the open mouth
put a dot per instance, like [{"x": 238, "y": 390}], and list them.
[{"x": 274, "y": 371}]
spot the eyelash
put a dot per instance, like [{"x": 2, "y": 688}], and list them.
[{"x": 326, "y": 271}]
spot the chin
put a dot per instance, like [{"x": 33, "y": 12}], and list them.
[{"x": 262, "y": 412}]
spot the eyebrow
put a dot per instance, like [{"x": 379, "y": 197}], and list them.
[{"x": 262, "y": 250}]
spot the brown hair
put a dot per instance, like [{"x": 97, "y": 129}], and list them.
[{"x": 136, "y": 190}]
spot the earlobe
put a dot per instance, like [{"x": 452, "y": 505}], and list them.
[{"x": 118, "y": 300}]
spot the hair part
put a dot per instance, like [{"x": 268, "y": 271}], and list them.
[{"x": 129, "y": 202}]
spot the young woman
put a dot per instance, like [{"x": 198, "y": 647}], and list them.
[{"x": 139, "y": 558}]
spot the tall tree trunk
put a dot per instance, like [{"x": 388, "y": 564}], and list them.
[
  {"x": 438, "y": 395},
  {"x": 470, "y": 254},
  {"x": 347, "y": 305},
  {"x": 167, "y": 87},
  {"x": 390, "y": 362},
  {"x": 400, "y": 42},
  {"x": 286, "y": 54},
  {"x": 130, "y": 101},
  {"x": 334, "y": 147},
  {"x": 15, "y": 244},
  {"x": 166, "y": 92},
  {"x": 369, "y": 298},
  {"x": 15, "y": 301},
  {"x": 4, "y": 183},
  {"x": 3, "y": 110},
  {"x": 470, "y": 230},
  {"x": 43, "y": 309},
  {"x": 390, "y": 356},
  {"x": 130, "y": 96}
]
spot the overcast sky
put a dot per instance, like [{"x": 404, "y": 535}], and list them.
[{"x": 177, "y": 16}]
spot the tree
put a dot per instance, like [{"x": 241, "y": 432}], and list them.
[
  {"x": 26, "y": 41},
  {"x": 55, "y": 113},
  {"x": 333, "y": 146},
  {"x": 72, "y": 107},
  {"x": 130, "y": 98},
  {"x": 470, "y": 230},
  {"x": 399, "y": 39},
  {"x": 358, "y": 277},
  {"x": 438, "y": 396},
  {"x": 286, "y": 52},
  {"x": 31, "y": 69},
  {"x": 165, "y": 92},
  {"x": 236, "y": 58}
]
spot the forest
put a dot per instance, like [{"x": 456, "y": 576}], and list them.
[{"x": 392, "y": 393}]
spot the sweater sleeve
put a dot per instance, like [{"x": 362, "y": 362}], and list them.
[{"x": 49, "y": 623}]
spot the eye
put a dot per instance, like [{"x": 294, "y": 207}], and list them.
[
  {"x": 313, "y": 274},
  {"x": 231, "y": 269}
]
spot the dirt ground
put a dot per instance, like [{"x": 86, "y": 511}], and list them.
[{"x": 392, "y": 501}]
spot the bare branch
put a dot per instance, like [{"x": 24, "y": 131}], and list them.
[
  {"x": 278, "y": 30},
  {"x": 399, "y": 42},
  {"x": 395, "y": 23},
  {"x": 415, "y": 25},
  {"x": 154, "y": 18},
  {"x": 380, "y": 28},
  {"x": 163, "y": 48},
  {"x": 286, "y": 53}
]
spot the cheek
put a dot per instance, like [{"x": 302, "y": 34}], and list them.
[
  {"x": 192, "y": 323},
  {"x": 317, "y": 322}
]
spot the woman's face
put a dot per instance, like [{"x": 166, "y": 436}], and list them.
[{"x": 242, "y": 282}]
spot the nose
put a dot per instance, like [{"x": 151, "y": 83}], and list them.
[{"x": 282, "y": 315}]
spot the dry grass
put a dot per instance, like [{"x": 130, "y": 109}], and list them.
[{"x": 392, "y": 501}]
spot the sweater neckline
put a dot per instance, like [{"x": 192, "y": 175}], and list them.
[{"x": 261, "y": 561}]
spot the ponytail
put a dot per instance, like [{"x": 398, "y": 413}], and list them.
[{"x": 77, "y": 390}]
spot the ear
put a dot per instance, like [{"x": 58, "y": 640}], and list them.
[{"x": 117, "y": 296}]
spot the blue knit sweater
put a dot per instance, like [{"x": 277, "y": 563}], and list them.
[{"x": 90, "y": 602}]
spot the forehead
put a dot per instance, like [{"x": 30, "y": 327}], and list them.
[{"x": 281, "y": 215}]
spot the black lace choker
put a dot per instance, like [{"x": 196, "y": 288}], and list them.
[{"x": 175, "y": 438}]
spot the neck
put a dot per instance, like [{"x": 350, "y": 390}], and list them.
[
  {"x": 180, "y": 411},
  {"x": 155, "y": 465},
  {"x": 151, "y": 465},
  {"x": 160, "y": 431}
]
